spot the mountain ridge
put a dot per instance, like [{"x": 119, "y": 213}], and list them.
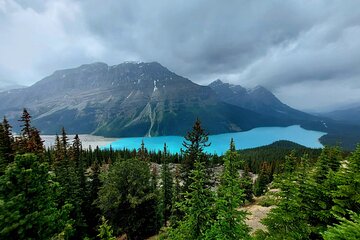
[
  {"x": 135, "y": 99},
  {"x": 258, "y": 99},
  {"x": 128, "y": 99}
]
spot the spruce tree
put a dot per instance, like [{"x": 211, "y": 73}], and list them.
[
  {"x": 176, "y": 213},
  {"x": 29, "y": 140},
  {"x": 197, "y": 206},
  {"x": 142, "y": 153},
  {"x": 105, "y": 231},
  {"x": 263, "y": 180},
  {"x": 127, "y": 199},
  {"x": 26, "y": 124},
  {"x": 229, "y": 222},
  {"x": 246, "y": 183},
  {"x": 347, "y": 194},
  {"x": 167, "y": 187},
  {"x": 70, "y": 181},
  {"x": 6, "y": 146},
  {"x": 347, "y": 229},
  {"x": 195, "y": 142},
  {"x": 91, "y": 210},
  {"x": 287, "y": 220},
  {"x": 321, "y": 186},
  {"x": 28, "y": 208}
]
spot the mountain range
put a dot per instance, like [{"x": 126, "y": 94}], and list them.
[
  {"x": 350, "y": 115},
  {"x": 147, "y": 99}
]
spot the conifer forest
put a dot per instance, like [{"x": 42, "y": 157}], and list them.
[{"x": 68, "y": 192}]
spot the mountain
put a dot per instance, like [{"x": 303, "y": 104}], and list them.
[
  {"x": 146, "y": 99},
  {"x": 129, "y": 99},
  {"x": 350, "y": 115},
  {"x": 262, "y": 101},
  {"x": 259, "y": 100}
]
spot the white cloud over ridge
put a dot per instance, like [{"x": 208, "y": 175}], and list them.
[{"x": 308, "y": 53}]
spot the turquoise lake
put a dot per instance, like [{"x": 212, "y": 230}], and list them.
[{"x": 220, "y": 143}]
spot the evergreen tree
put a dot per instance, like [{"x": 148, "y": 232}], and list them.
[
  {"x": 195, "y": 142},
  {"x": 167, "y": 187},
  {"x": 347, "y": 194},
  {"x": 29, "y": 140},
  {"x": 263, "y": 180},
  {"x": 329, "y": 159},
  {"x": 28, "y": 208},
  {"x": 246, "y": 183},
  {"x": 91, "y": 210},
  {"x": 321, "y": 186},
  {"x": 197, "y": 206},
  {"x": 290, "y": 162},
  {"x": 229, "y": 222},
  {"x": 70, "y": 181},
  {"x": 287, "y": 220},
  {"x": 35, "y": 143},
  {"x": 64, "y": 143},
  {"x": 346, "y": 230},
  {"x": 176, "y": 213},
  {"x": 142, "y": 153},
  {"x": 127, "y": 199},
  {"x": 26, "y": 124},
  {"x": 6, "y": 145},
  {"x": 105, "y": 231}
]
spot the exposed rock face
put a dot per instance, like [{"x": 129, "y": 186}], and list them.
[
  {"x": 259, "y": 100},
  {"x": 129, "y": 99}
]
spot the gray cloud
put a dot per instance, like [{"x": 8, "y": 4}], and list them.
[{"x": 308, "y": 53}]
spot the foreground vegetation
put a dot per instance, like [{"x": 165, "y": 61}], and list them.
[{"x": 67, "y": 192}]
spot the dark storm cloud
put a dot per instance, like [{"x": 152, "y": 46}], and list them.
[{"x": 302, "y": 50}]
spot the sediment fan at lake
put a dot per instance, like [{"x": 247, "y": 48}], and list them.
[
  {"x": 220, "y": 143},
  {"x": 86, "y": 140}
]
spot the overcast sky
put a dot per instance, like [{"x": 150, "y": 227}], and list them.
[{"x": 306, "y": 52}]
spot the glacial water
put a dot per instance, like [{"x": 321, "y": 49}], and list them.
[{"x": 220, "y": 143}]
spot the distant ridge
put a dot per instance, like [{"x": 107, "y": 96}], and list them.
[{"x": 257, "y": 99}]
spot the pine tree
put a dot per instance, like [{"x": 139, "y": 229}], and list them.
[
  {"x": 195, "y": 143},
  {"x": 64, "y": 143},
  {"x": 35, "y": 143},
  {"x": 347, "y": 194},
  {"x": 322, "y": 184},
  {"x": 127, "y": 199},
  {"x": 27, "y": 202},
  {"x": 290, "y": 162},
  {"x": 26, "y": 124},
  {"x": 346, "y": 230},
  {"x": 246, "y": 183},
  {"x": 70, "y": 181},
  {"x": 263, "y": 180},
  {"x": 105, "y": 231},
  {"x": 29, "y": 140},
  {"x": 329, "y": 159},
  {"x": 229, "y": 222},
  {"x": 197, "y": 206},
  {"x": 91, "y": 210},
  {"x": 142, "y": 153},
  {"x": 176, "y": 213},
  {"x": 6, "y": 146},
  {"x": 167, "y": 187},
  {"x": 287, "y": 220}
]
